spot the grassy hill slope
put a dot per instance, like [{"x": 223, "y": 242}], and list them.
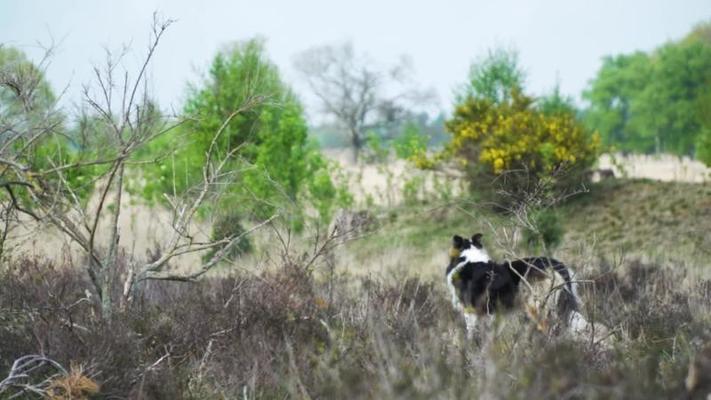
[{"x": 631, "y": 218}]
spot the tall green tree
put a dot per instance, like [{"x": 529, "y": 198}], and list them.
[
  {"x": 703, "y": 140},
  {"x": 277, "y": 166},
  {"x": 34, "y": 131},
  {"x": 120, "y": 127},
  {"x": 613, "y": 98},
  {"x": 648, "y": 102},
  {"x": 33, "y": 135},
  {"x": 669, "y": 103}
]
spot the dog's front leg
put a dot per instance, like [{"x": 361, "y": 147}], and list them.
[{"x": 470, "y": 320}]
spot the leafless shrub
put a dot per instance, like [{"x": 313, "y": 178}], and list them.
[{"x": 125, "y": 121}]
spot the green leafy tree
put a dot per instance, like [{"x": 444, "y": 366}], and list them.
[
  {"x": 494, "y": 77},
  {"x": 278, "y": 167},
  {"x": 24, "y": 87},
  {"x": 120, "y": 133},
  {"x": 703, "y": 140},
  {"x": 377, "y": 148},
  {"x": 33, "y": 141},
  {"x": 703, "y": 146},
  {"x": 34, "y": 131},
  {"x": 556, "y": 103},
  {"x": 613, "y": 102},
  {"x": 669, "y": 103},
  {"x": 545, "y": 231},
  {"x": 650, "y": 102},
  {"x": 411, "y": 143}
]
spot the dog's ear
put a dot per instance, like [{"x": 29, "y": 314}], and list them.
[
  {"x": 457, "y": 242},
  {"x": 476, "y": 240}
]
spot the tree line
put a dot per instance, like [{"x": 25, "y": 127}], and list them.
[{"x": 657, "y": 101}]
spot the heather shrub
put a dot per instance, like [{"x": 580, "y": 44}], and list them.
[{"x": 290, "y": 332}]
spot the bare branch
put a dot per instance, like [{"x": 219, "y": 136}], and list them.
[
  {"x": 227, "y": 243},
  {"x": 19, "y": 379}
]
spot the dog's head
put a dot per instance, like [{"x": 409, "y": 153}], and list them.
[{"x": 464, "y": 249}]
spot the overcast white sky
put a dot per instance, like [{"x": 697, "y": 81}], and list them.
[{"x": 560, "y": 40}]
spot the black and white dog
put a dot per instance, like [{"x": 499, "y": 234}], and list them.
[{"x": 481, "y": 287}]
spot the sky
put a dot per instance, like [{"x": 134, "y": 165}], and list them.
[{"x": 559, "y": 41}]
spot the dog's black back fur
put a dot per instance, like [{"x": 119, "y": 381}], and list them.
[{"x": 489, "y": 286}]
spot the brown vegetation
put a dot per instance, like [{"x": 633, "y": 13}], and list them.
[{"x": 289, "y": 333}]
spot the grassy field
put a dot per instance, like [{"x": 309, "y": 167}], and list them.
[
  {"x": 371, "y": 318},
  {"x": 615, "y": 219}
]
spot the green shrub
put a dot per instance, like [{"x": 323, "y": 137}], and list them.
[
  {"x": 224, "y": 226},
  {"x": 412, "y": 190},
  {"x": 410, "y": 143},
  {"x": 546, "y": 230}
]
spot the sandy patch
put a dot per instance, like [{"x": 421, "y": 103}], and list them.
[
  {"x": 142, "y": 229},
  {"x": 664, "y": 167}
]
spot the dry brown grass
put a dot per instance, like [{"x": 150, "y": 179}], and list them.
[{"x": 74, "y": 386}]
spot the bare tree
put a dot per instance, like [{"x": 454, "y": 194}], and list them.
[
  {"x": 124, "y": 121},
  {"x": 354, "y": 92}
]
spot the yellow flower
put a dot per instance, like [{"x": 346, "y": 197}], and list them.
[{"x": 498, "y": 165}]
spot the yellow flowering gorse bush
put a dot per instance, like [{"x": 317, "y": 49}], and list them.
[{"x": 497, "y": 137}]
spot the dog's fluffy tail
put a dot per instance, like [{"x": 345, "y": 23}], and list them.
[{"x": 568, "y": 302}]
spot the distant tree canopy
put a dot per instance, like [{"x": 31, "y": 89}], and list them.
[
  {"x": 494, "y": 78},
  {"x": 655, "y": 101},
  {"x": 276, "y": 164},
  {"x": 556, "y": 103}
]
